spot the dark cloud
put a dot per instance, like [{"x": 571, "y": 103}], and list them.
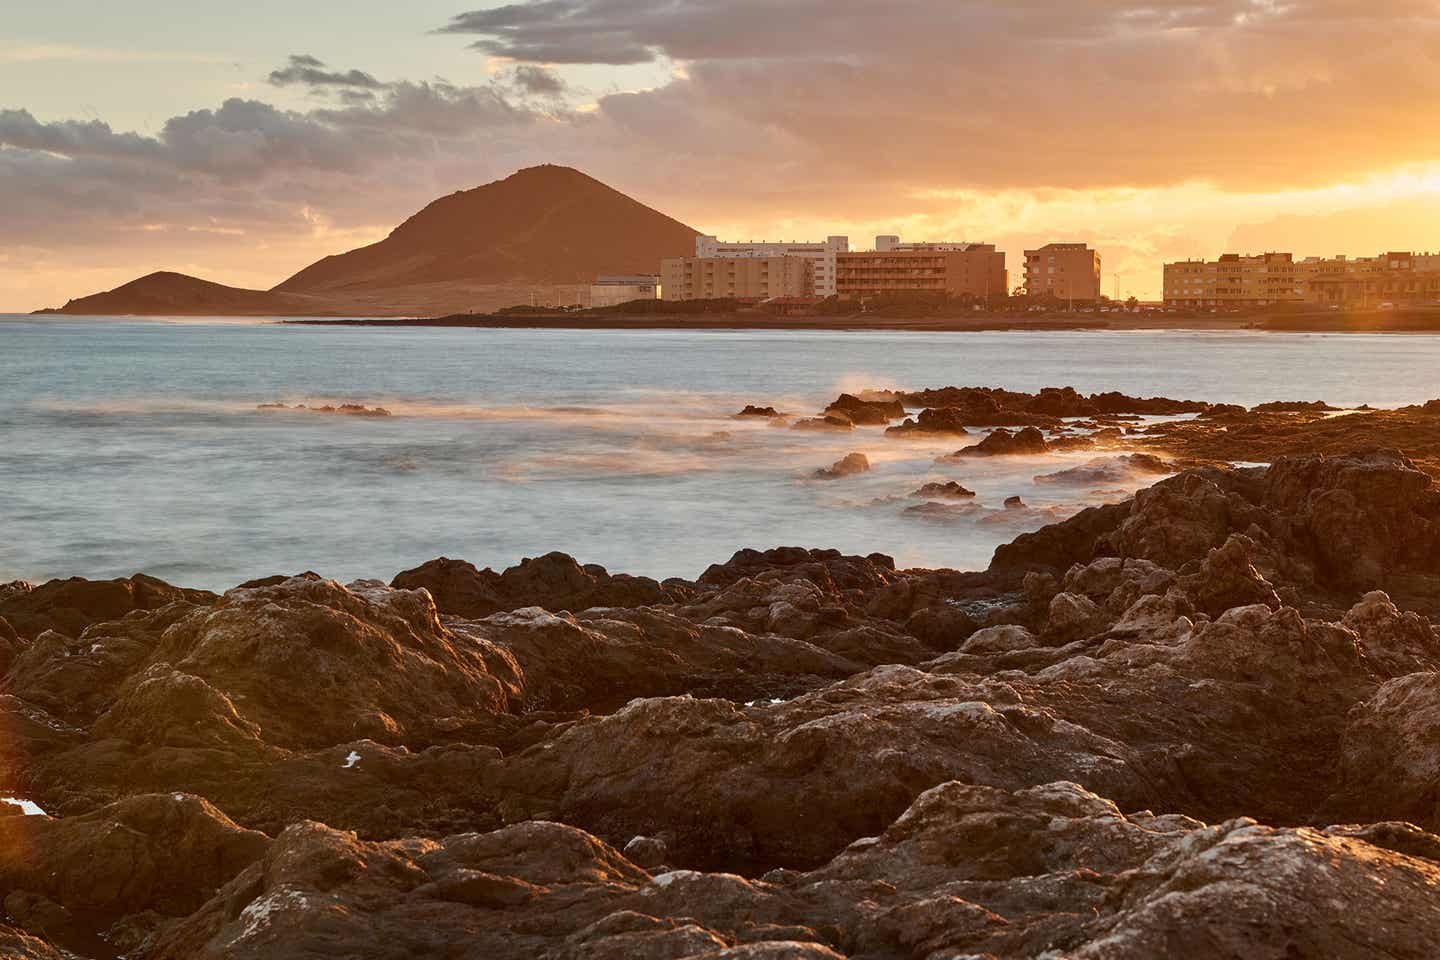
[
  {"x": 306, "y": 70},
  {"x": 538, "y": 81}
]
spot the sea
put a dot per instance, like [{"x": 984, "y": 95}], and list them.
[{"x": 140, "y": 445}]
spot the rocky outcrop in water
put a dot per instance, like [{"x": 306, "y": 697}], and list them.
[
  {"x": 850, "y": 465},
  {"x": 1193, "y": 723}
]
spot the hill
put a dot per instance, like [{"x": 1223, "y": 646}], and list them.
[
  {"x": 548, "y": 224},
  {"x": 175, "y": 294},
  {"x": 548, "y": 227}
]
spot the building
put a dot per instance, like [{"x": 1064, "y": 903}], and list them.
[
  {"x": 1395, "y": 278},
  {"x": 738, "y": 278},
  {"x": 1068, "y": 271},
  {"x": 1235, "y": 281},
  {"x": 889, "y": 243},
  {"x": 821, "y": 256},
  {"x": 1276, "y": 278},
  {"x": 976, "y": 269},
  {"x": 615, "y": 290}
]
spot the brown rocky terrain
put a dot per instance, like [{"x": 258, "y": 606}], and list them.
[{"x": 1196, "y": 722}]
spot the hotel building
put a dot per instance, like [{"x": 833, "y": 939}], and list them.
[
  {"x": 1274, "y": 278},
  {"x": 821, "y": 256},
  {"x": 738, "y": 278},
  {"x": 974, "y": 269},
  {"x": 1069, "y": 271}
]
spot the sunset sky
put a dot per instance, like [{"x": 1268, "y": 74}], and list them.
[{"x": 241, "y": 142}]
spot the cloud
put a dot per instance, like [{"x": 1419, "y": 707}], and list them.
[
  {"x": 538, "y": 81},
  {"x": 1084, "y": 93},
  {"x": 1152, "y": 128},
  {"x": 308, "y": 71}
]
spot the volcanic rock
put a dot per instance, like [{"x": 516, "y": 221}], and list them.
[
  {"x": 852, "y": 464},
  {"x": 946, "y": 490},
  {"x": 69, "y": 606},
  {"x": 865, "y": 412},
  {"x": 933, "y": 421},
  {"x": 1003, "y": 443}
]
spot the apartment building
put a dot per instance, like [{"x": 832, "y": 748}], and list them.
[
  {"x": 1276, "y": 278},
  {"x": 889, "y": 243},
  {"x": 614, "y": 290},
  {"x": 1394, "y": 278},
  {"x": 740, "y": 278},
  {"x": 821, "y": 255},
  {"x": 1069, "y": 271},
  {"x": 1234, "y": 281},
  {"x": 975, "y": 269}
]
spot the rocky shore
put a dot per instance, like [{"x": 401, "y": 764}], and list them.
[{"x": 1196, "y": 722}]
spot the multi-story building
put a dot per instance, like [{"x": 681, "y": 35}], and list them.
[
  {"x": 977, "y": 269},
  {"x": 1069, "y": 271},
  {"x": 889, "y": 243},
  {"x": 1391, "y": 278},
  {"x": 1276, "y": 278},
  {"x": 821, "y": 255},
  {"x": 739, "y": 278},
  {"x": 614, "y": 290},
  {"x": 1234, "y": 281}
]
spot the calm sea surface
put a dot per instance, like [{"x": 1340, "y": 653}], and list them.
[{"x": 136, "y": 446}]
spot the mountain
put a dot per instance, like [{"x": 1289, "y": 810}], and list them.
[
  {"x": 548, "y": 227},
  {"x": 175, "y": 294},
  {"x": 548, "y": 224}
]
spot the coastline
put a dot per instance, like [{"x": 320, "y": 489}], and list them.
[{"x": 1401, "y": 322}]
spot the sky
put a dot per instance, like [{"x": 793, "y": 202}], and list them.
[{"x": 241, "y": 142}]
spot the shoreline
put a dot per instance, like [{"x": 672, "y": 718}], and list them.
[{"x": 1427, "y": 322}]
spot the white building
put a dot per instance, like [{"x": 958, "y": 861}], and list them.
[
  {"x": 615, "y": 290},
  {"x": 889, "y": 243},
  {"x": 821, "y": 255}
]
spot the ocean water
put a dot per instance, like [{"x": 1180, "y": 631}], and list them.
[{"x": 132, "y": 446}]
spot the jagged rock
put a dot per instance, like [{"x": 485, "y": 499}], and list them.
[
  {"x": 1073, "y": 616},
  {"x": 313, "y": 663},
  {"x": 947, "y": 490},
  {"x": 1109, "y": 471},
  {"x": 933, "y": 421},
  {"x": 865, "y": 412},
  {"x": 554, "y": 581},
  {"x": 850, "y": 465},
  {"x": 69, "y": 606},
  {"x": 1367, "y": 514},
  {"x": 751, "y": 410},
  {"x": 147, "y": 854},
  {"x": 1397, "y": 643},
  {"x": 1391, "y": 756},
  {"x": 1003, "y": 443},
  {"x": 1001, "y": 639},
  {"x": 1227, "y": 578}
]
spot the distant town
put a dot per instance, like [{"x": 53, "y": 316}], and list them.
[{"x": 792, "y": 277}]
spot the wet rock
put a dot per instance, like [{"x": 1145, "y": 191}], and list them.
[
  {"x": 947, "y": 490},
  {"x": 850, "y": 465},
  {"x": 1107, "y": 471},
  {"x": 1227, "y": 578},
  {"x": 865, "y": 412},
  {"x": 753, "y": 411},
  {"x": 69, "y": 606},
  {"x": 162, "y": 854},
  {"x": 554, "y": 581},
  {"x": 1003, "y": 443},
  {"x": 934, "y": 422},
  {"x": 834, "y": 422}
]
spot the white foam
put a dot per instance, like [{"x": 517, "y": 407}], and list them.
[{"x": 350, "y": 761}]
